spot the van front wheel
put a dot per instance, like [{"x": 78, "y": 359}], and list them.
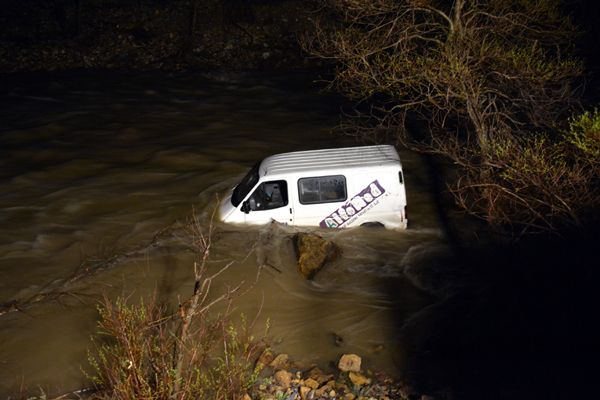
[{"x": 373, "y": 225}]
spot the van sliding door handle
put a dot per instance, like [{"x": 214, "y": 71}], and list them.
[{"x": 290, "y": 210}]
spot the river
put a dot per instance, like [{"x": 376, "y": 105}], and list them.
[
  {"x": 100, "y": 174},
  {"x": 93, "y": 166}
]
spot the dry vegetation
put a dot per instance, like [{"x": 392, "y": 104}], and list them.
[{"x": 146, "y": 352}]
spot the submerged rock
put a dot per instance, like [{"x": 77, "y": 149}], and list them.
[
  {"x": 313, "y": 253},
  {"x": 432, "y": 268}
]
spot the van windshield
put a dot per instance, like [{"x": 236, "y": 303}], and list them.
[{"x": 245, "y": 186}]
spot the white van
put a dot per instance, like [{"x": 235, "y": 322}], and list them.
[{"x": 330, "y": 188}]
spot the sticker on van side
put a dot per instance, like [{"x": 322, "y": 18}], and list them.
[{"x": 352, "y": 209}]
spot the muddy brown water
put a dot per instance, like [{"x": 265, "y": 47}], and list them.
[{"x": 95, "y": 165}]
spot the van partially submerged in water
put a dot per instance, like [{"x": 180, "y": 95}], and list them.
[{"x": 329, "y": 188}]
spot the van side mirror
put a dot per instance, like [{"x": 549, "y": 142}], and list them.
[{"x": 245, "y": 207}]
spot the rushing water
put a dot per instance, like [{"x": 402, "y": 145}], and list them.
[{"x": 93, "y": 166}]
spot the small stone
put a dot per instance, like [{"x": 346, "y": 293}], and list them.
[
  {"x": 283, "y": 378},
  {"x": 280, "y": 362},
  {"x": 265, "y": 358},
  {"x": 358, "y": 379},
  {"x": 342, "y": 387},
  {"x": 318, "y": 375},
  {"x": 311, "y": 383},
  {"x": 332, "y": 393},
  {"x": 378, "y": 348},
  {"x": 407, "y": 391},
  {"x": 349, "y": 362},
  {"x": 246, "y": 396},
  {"x": 337, "y": 339},
  {"x": 382, "y": 378},
  {"x": 349, "y": 396},
  {"x": 304, "y": 392}
]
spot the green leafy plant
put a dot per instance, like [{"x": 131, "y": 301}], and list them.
[
  {"x": 584, "y": 134},
  {"x": 538, "y": 183}
]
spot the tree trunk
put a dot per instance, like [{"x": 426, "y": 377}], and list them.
[
  {"x": 188, "y": 40},
  {"x": 479, "y": 125},
  {"x": 60, "y": 15},
  {"x": 77, "y": 22}
]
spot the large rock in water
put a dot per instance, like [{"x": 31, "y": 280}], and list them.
[{"x": 313, "y": 253}]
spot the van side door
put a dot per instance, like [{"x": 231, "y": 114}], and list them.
[{"x": 269, "y": 201}]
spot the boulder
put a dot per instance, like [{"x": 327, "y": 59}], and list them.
[
  {"x": 313, "y": 253},
  {"x": 349, "y": 363}
]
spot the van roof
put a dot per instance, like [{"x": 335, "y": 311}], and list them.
[{"x": 330, "y": 159}]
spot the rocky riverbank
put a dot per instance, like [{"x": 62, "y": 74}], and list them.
[
  {"x": 153, "y": 34},
  {"x": 282, "y": 378}
]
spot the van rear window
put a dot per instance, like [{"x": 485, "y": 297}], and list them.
[{"x": 322, "y": 189}]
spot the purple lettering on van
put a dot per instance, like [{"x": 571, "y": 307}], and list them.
[{"x": 337, "y": 218}]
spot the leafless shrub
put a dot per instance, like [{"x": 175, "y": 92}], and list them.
[
  {"x": 487, "y": 67},
  {"x": 483, "y": 77}
]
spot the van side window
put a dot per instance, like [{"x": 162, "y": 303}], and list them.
[
  {"x": 322, "y": 189},
  {"x": 269, "y": 195}
]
